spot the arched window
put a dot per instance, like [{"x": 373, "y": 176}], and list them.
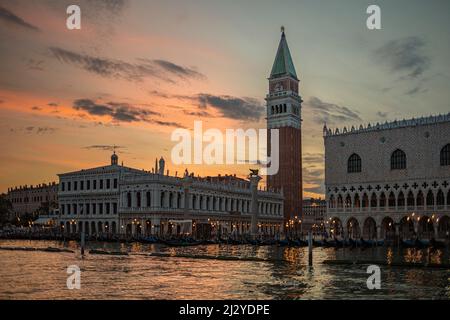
[
  {"x": 445, "y": 155},
  {"x": 354, "y": 163},
  {"x": 398, "y": 160},
  {"x": 365, "y": 201},
  {"x": 430, "y": 198},
  {"x": 382, "y": 200},
  {"x": 391, "y": 200},
  {"x": 357, "y": 202},
  {"x": 420, "y": 199},
  {"x": 373, "y": 200},
  {"x": 440, "y": 199},
  {"x": 410, "y": 200},
  {"x": 401, "y": 199},
  {"x": 340, "y": 201},
  {"x": 332, "y": 202},
  {"x": 348, "y": 201}
]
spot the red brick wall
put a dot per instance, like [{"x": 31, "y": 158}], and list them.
[{"x": 289, "y": 175}]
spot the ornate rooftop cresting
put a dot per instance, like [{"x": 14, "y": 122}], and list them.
[{"x": 387, "y": 125}]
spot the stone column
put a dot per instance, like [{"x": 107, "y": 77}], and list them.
[
  {"x": 186, "y": 186},
  {"x": 378, "y": 232},
  {"x": 254, "y": 180},
  {"x": 435, "y": 227}
]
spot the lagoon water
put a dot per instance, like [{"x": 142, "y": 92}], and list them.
[{"x": 43, "y": 275}]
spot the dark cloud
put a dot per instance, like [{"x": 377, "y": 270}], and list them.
[
  {"x": 36, "y": 108},
  {"x": 171, "y": 67},
  {"x": 237, "y": 108},
  {"x": 325, "y": 112},
  {"x": 121, "y": 112},
  {"x": 246, "y": 109},
  {"x": 404, "y": 56},
  {"x": 52, "y": 104},
  {"x": 160, "y": 69},
  {"x": 313, "y": 158},
  {"x": 105, "y": 147},
  {"x": 11, "y": 18},
  {"x": 233, "y": 107},
  {"x": 197, "y": 113},
  {"x": 313, "y": 176},
  {"x": 417, "y": 89},
  {"x": 34, "y": 130},
  {"x": 33, "y": 64},
  {"x": 382, "y": 114}
]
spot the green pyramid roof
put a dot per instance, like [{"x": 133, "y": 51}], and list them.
[{"x": 283, "y": 65}]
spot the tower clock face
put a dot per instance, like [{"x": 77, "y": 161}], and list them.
[{"x": 278, "y": 86}]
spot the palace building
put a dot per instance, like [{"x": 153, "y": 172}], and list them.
[
  {"x": 388, "y": 180},
  {"x": 284, "y": 114},
  {"x": 29, "y": 199},
  {"x": 115, "y": 199}
]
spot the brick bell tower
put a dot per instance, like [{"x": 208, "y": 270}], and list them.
[{"x": 284, "y": 114}]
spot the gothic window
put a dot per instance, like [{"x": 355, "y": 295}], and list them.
[
  {"x": 410, "y": 199},
  {"x": 273, "y": 110},
  {"x": 420, "y": 199},
  {"x": 357, "y": 202},
  {"x": 284, "y": 107},
  {"x": 440, "y": 198},
  {"x": 365, "y": 201},
  {"x": 448, "y": 198},
  {"x": 445, "y": 155},
  {"x": 354, "y": 163},
  {"x": 398, "y": 160},
  {"x": 373, "y": 200},
  {"x": 332, "y": 203},
  {"x": 340, "y": 201},
  {"x": 348, "y": 201},
  {"x": 401, "y": 199},
  {"x": 383, "y": 200},
  {"x": 391, "y": 200},
  {"x": 430, "y": 198}
]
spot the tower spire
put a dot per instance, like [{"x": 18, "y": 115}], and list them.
[{"x": 283, "y": 65}]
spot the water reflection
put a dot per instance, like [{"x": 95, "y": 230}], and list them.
[{"x": 42, "y": 275}]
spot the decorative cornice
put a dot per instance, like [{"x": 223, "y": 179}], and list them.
[{"x": 327, "y": 132}]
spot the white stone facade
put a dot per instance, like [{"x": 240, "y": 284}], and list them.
[
  {"x": 119, "y": 200},
  {"x": 149, "y": 203},
  {"x": 398, "y": 182}
]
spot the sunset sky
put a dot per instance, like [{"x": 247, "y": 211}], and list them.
[{"x": 137, "y": 70}]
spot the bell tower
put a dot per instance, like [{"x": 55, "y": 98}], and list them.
[{"x": 284, "y": 114}]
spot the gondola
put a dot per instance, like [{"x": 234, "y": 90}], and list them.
[
  {"x": 181, "y": 242},
  {"x": 437, "y": 244}
]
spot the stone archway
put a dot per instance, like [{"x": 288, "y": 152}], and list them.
[
  {"x": 387, "y": 228},
  {"x": 336, "y": 228},
  {"x": 370, "y": 229},
  {"x": 406, "y": 229},
  {"x": 425, "y": 229},
  {"x": 444, "y": 227},
  {"x": 353, "y": 229}
]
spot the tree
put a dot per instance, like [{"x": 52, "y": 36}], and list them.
[{"x": 5, "y": 210}]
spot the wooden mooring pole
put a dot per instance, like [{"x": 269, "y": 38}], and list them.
[{"x": 310, "y": 249}]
